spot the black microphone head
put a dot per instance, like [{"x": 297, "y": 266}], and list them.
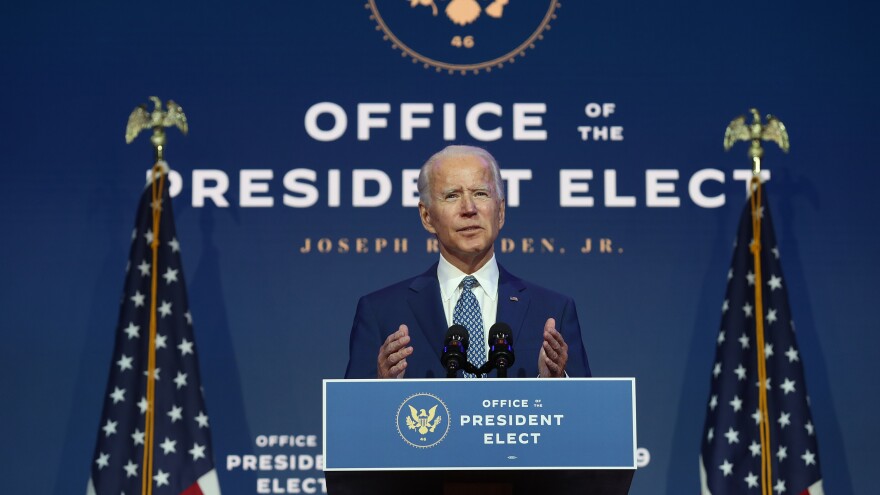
[
  {"x": 501, "y": 330},
  {"x": 458, "y": 333},
  {"x": 455, "y": 345},
  {"x": 501, "y": 347}
]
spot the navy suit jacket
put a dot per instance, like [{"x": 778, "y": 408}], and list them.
[{"x": 416, "y": 302}]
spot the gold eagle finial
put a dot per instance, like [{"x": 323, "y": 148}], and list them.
[
  {"x": 158, "y": 119},
  {"x": 773, "y": 130}
]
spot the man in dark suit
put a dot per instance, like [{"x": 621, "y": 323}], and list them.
[{"x": 462, "y": 204}]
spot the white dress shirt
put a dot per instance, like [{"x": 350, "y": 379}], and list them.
[{"x": 486, "y": 292}]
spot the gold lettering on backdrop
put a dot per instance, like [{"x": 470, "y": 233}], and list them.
[
  {"x": 324, "y": 245},
  {"x": 381, "y": 243},
  {"x": 527, "y": 245},
  {"x": 400, "y": 245},
  {"x": 361, "y": 245},
  {"x": 507, "y": 245},
  {"x": 433, "y": 246},
  {"x": 588, "y": 246}
]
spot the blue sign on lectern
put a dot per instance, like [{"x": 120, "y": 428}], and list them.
[{"x": 515, "y": 423}]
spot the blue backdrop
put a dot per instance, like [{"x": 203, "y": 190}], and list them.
[{"x": 272, "y": 320}]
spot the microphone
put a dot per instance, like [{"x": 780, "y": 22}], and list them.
[
  {"x": 455, "y": 345},
  {"x": 501, "y": 354}
]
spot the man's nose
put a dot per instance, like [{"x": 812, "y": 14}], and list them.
[{"x": 468, "y": 206}]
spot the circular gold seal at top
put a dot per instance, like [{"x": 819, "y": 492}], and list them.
[{"x": 463, "y": 36}]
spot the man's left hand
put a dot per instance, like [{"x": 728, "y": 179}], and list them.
[{"x": 554, "y": 352}]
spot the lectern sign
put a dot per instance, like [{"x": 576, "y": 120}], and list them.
[{"x": 586, "y": 423}]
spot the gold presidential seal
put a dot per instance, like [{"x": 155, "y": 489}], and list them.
[
  {"x": 422, "y": 420},
  {"x": 463, "y": 36}
]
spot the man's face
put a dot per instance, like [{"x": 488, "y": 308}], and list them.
[{"x": 465, "y": 212}]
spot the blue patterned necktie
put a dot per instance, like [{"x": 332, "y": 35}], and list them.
[{"x": 467, "y": 314}]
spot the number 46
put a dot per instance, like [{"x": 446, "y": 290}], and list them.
[{"x": 458, "y": 41}]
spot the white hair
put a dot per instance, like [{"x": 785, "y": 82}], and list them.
[{"x": 453, "y": 151}]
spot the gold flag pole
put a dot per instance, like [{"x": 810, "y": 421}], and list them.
[
  {"x": 773, "y": 130},
  {"x": 139, "y": 120}
]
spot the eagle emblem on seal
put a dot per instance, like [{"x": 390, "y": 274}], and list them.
[{"x": 423, "y": 421}]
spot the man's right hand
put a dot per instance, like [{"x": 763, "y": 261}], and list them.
[{"x": 393, "y": 354}]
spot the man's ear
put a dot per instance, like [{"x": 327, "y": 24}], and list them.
[
  {"x": 501, "y": 214},
  {"x": 425, "y": 215}
]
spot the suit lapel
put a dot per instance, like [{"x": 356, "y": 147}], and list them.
[
  {"x": 513, "y": 301},
  {"x": 427, "y": 305}
]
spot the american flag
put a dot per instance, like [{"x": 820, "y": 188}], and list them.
[
  {"x": 182, "y": 461},
  {"x": 730, "y": 460}
]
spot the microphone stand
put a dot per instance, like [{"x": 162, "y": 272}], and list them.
[{"x": 502, "y": 368}]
